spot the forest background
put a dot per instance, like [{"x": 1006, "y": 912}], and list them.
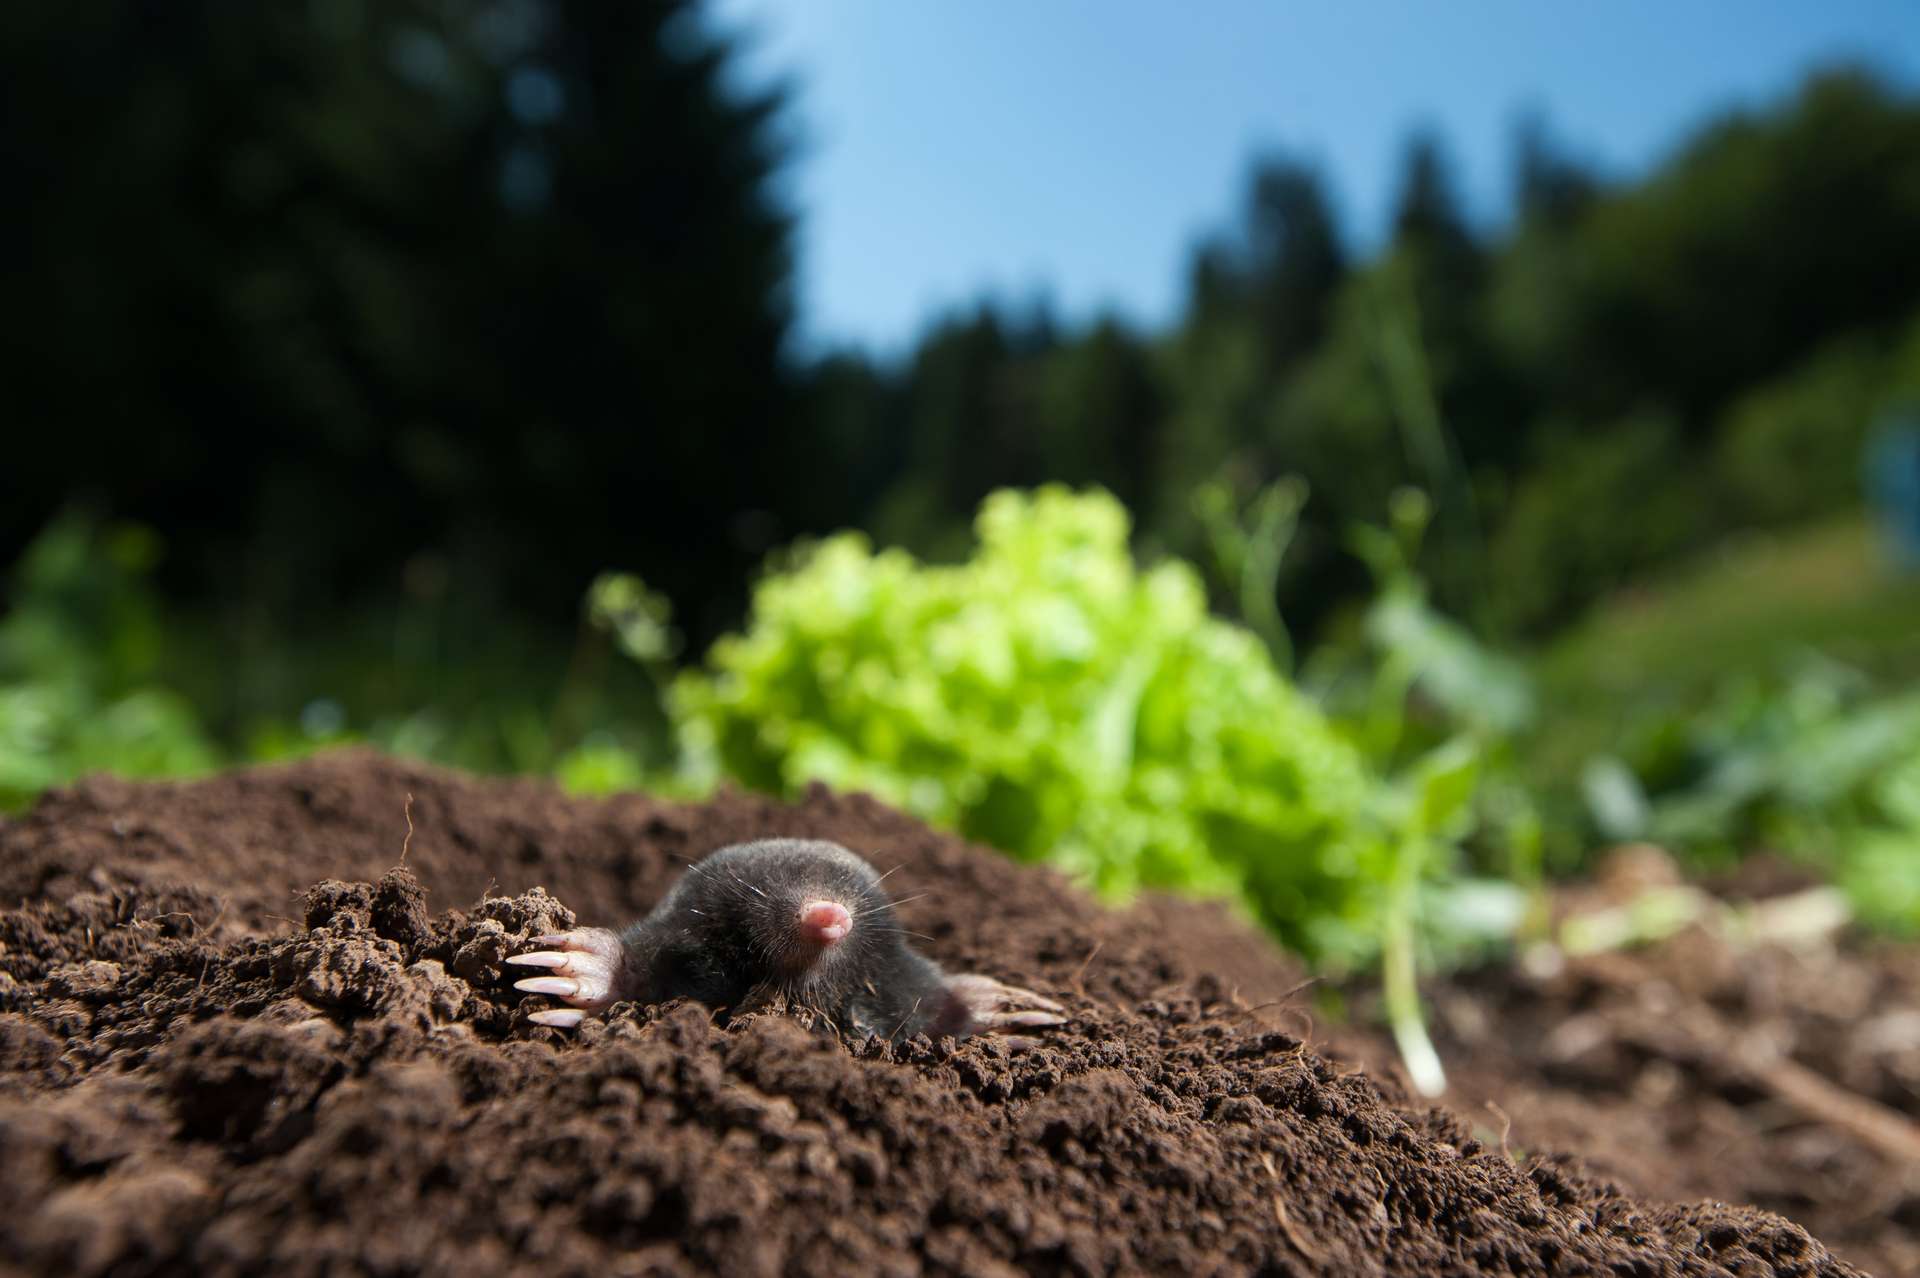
[{"x": 350, "y": 345}]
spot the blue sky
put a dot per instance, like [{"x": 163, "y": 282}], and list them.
[{"x": 1077, "y": 148}]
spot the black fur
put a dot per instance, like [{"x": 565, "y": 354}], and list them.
[{"x": 726, "y": 935}]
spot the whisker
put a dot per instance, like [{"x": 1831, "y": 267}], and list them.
[
  {"x": 908, "y": 900},
  {"x": 909, "y": 1016},
  {"x": 901, "y": 931},
  {"x": 883, "y": 878}
]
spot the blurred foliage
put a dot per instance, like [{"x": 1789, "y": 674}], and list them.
[
  {"x": 1046, "y": 697},
  {"x": 79, "y": 650},
  {"x": 1758, "y": 700},
  {"x": 1659, "y": 651},
  {"x": 510, "y": 281},
  {"x": 1809, "y": 763},
  {"x": 1795, "y": 446},
  {"x": 1605, "y": 505},
  {"x": 96, "y": 675}
]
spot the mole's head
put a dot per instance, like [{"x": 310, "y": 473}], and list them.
[{"x": 803, "y": 907}]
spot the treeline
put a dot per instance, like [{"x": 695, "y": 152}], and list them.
[
  {"x": 1626, "y": 372},
  {"x": 453, "y": 304}
]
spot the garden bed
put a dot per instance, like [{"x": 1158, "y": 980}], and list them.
[{"x": 237, "y": 1034}]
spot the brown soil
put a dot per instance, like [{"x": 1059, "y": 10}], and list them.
[
  {"x": 1702, "y": 1067},
  {"x": 235, "y": 1039}
]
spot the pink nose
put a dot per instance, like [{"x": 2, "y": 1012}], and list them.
[{"x": 825, "y": 922}]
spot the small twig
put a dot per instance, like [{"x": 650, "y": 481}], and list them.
[
  {"x": 408, "y": 841},
  {"x": 1081, "y": 974},
  {"x": 1696, "y": 1043},
  {"x": 1867, "y": 1120},
  {"x": 173, "y": 914},
  {"x": 1280, "y": 1217},
  {"x": 1309, "y": 983},
  {"x": 1290, "y": 1233},
  {"x": 1284, "y": 996},
  {"x": 199, "y": 984},
  {"x": 1879, "y": 1127},
  {"x": 1284, "y": 1002},
  {"x": 1506, "y": 1129}
]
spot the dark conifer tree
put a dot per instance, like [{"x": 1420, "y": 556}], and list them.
[{"x": 325, "y": 289}]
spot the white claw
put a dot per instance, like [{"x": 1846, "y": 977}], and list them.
[
  {"x": 540, "y": 958},
  {"x": 997, "y": 1008},
  {"x": 585, "y": 967},
  {"x": 558, "y": 1018},
  {"x": 549, "y": 985}
]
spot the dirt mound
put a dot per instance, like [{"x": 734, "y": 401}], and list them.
[{"x": 234, "y": 1038}]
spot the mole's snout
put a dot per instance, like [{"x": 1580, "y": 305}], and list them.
[{"x": 825, "y": 922}]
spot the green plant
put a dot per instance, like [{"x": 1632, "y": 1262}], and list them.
[
  {"x": 1429, "y": 809},
  {"x": 1248, "y": 549},
  {"x": 1438, "y": 713}
]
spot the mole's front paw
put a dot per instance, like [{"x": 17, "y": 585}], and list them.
[
  {"x": 994, "y": 1008},
  {"x": 584, "y": 968}
]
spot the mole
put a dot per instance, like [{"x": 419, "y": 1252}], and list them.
[{"x": 800, "y": 923}]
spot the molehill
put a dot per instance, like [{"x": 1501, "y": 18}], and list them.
[{"x": 238, "y": 1034}]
